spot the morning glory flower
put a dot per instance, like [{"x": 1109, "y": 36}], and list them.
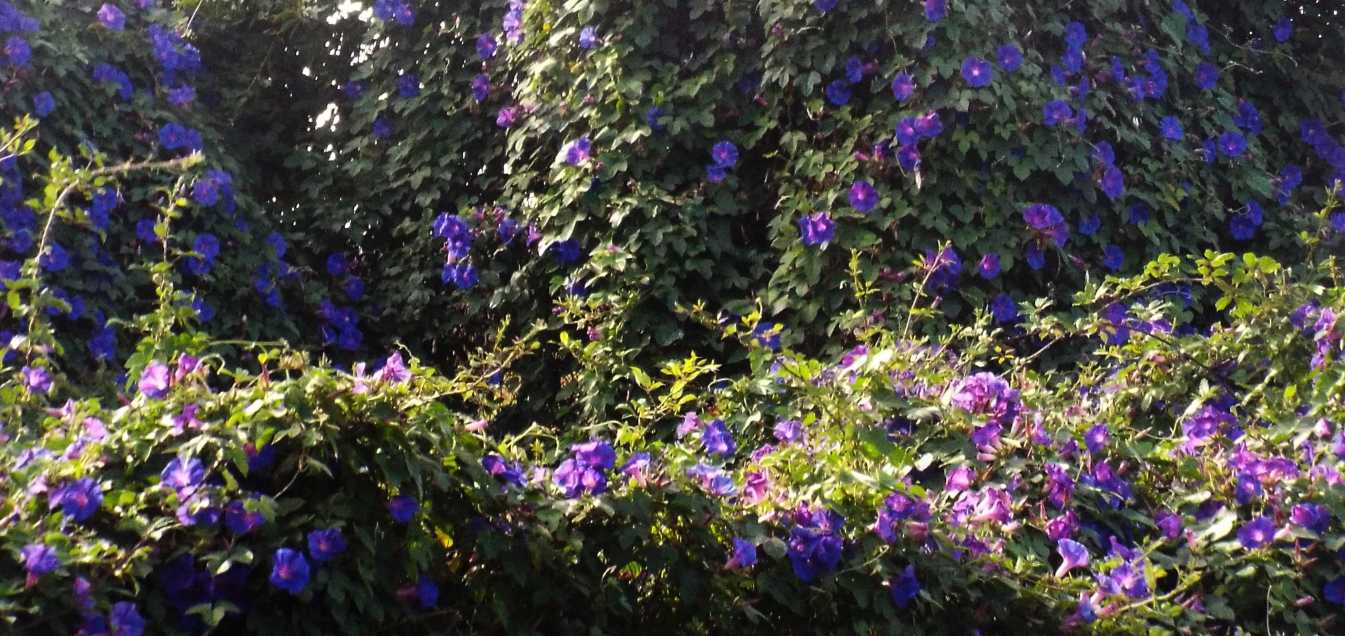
[
  {"x": 79, "y": 499},
  {"x": 486, "y": 46},
  {"x": 39, "y": 559},
  {"x": 1113, "y": 182},
  {"x": 1207, "y": 76},
  {"x": 1284, "y": 29},
  {"x": 838, "y": 93},
  {"x": 988, "y": 268},
  {"x": 154, "y": 380},
  {"x": 588, "y": 38},
  {"x": 1004, "y": 309},
  {"x": 717, "y": 439},
  {"x": 1232, "y": 145},
  {"x": 977, "y": 72},
  {"x": 1171, "y": 128},
  {"x": 1113, "y": 257},
  {"x": 816, "y": 229},
  {"x": 825, "y": 5},
  {"x": 905, "y": 588},
  {"x": 863, "y": 197},
  {"x": 1010, "y": 57},
  {"x": 936, "y": 10},
  {"x": 724, "y": 154},
  {"x": 1257, "y": 533},
  {"x": 578, "y": 151},
  {"x": 1056, "y": 112},
  {"x": 289, "y": 570},
  {"x": 403, "y": 508},
  {"x": 111, "y": 17},
  {"x": 43, "y": 104},
  {"x": 743, "y": 556},
  {"x": 1073, "y": 555},
  {"x": 36, "y": 379},
  {"x": 903, "y": 86},
  {"x": 183, "y": 476}
]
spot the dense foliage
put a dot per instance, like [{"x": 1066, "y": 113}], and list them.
[{"x": 542, "y": 317}]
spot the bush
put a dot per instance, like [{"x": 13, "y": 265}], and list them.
[{"x": 703, "y": 367}]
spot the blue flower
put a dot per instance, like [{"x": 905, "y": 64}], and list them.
[
  {"x": 1036, "y": 258},
  {"x": 486, "y": 46},
  {"x": 125, "y": 620},
  {"x": 427, "y": 592},
  {"x": 289, "y": 570},
  {"x": 1171, "y": 128},
  {"x": 815, "y": 543},
  {"x": 936, "y": 10},
  {"x": 718, "y": 440},
  {"x": 1010, "y": 57},
  {"x": 403, "y": 508},
  {"x": 988, "y": 268},
  {"x": 1004, "y": 309},
  {"x": 1198, "y": 35},
  {"x": 43, "y": 103},
  {"x": 816, "y": 229},
  {"x": 1207, "y": 76},
  {"x": 1075, "y": 35},
  {"x": 111, "y": 17},
  {"x": 565, "y": 252},
  {"x": 1113, "y": 182},
  {"x": 838, "y": 93},
  {"x": 79, "y": 499},
  {"x": 183, "y": 476},
  {"x": 744, "y": 554},
  {"x": 481, "y": 87},
  {"x": 654, "y": 118},
  {"x": 724, "y": 154},
  {"x": 825, "y": 5},
  {"x": 1232, "y": 145},
  {"x": 408, "y": 86},
  {"x": 977, "y": 72},
  {"x": 1284, "y": 29},
  {"x": 903, "y": 86},
  {"x": 1056, "y": 112},
  {"x": 863, "y": 197},
  {"x": 854, "y": 70},
  {"x": 905, "y": 587},
  {"x": 588, "y": 38},
  {"x": 1113, "y": 257},
  {"x": 382, "y": 128},
  {"x": 17, "y": 51},
  {"x": 578, "y": 151}
]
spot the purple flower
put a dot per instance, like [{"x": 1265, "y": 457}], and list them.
[
  {"x": 1171, "y": 128},
  {"x": 654, "y": 118},
  {"x": 394, "y": 370},
  {"x": 724, "y": 154},
  {"x": 906, "y": 132},
  {"x": 289, "y": 570},
  {"x": 1056, "y": 112},
  {"x": 506, "y": 117},
  {"x": 788, "y": 431},
  {"x": 43, "y": 104},
  {"x": 718, "y": 440},
  {"x": 1004, "y": 309},
  {"x": 816, "y": 229},
  {"x": 936, "y": 10},
  {"x": 977, "y": 72},
  {"x": 486, "y": 46},
  {"x": 325, "y": 545},
  {"x": 743, "y": 556},
  {"x": 17, "y": 51},
  {"x": 588, "y": 38},
  {"x": 111, "y": 17},
  {"x": 838, "y": 93},
  {"x": 399, "y": 10},
  {"x": 408, "y": 86},
  {"x": 480, "y": 87},
  {"x": 427, "y": 592},
  {"x": 125, "y": 620},
  {"x": 1075, "y": 35},
  {"x": 1314, "y": 517},
  {"x": 1207, "y": 76},
  {"x": 78, "y": 499},
  {"x": 1073, "y": 555},
  {"x": 825, "y": 5},
  {"x": 36, "y": 379},
  {"x": 39, "y": 559},
  {"x": 908, "y": 157},
  {"x": 1334, "y": 591},
  {"x": 903, "y": 87},
  {"x": 403, "y": 508},
  {"x": 565, "y": 252},
  {"x": 989, "y": 395},
  {"x": 958, "y": 479},
  {"x": 1046, "y": 220},
  {"x": 863, "y": 197},
  {"x": 929, "y": 125},
  {"x": 1010, "y": 57},
  {"x": 1256, "y": 533},
  {"x": 1113, "y": 182},
  {"x": 578, "y": 151},
  {"x": 1096, "y": 438},
  {"x": 1113, "y": 257},
  {"x": 815, "y": 543},
  {"x": 154, "y": 380},
  {"x": 183, "y": 476},
  {"x": 1232, "y": 145},
  {"x": 905, "y": 587},
  {"x": 988, "y": 268},
  {"x": 1284, "y": 29},
  {"x": 239, "y": 520}
]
